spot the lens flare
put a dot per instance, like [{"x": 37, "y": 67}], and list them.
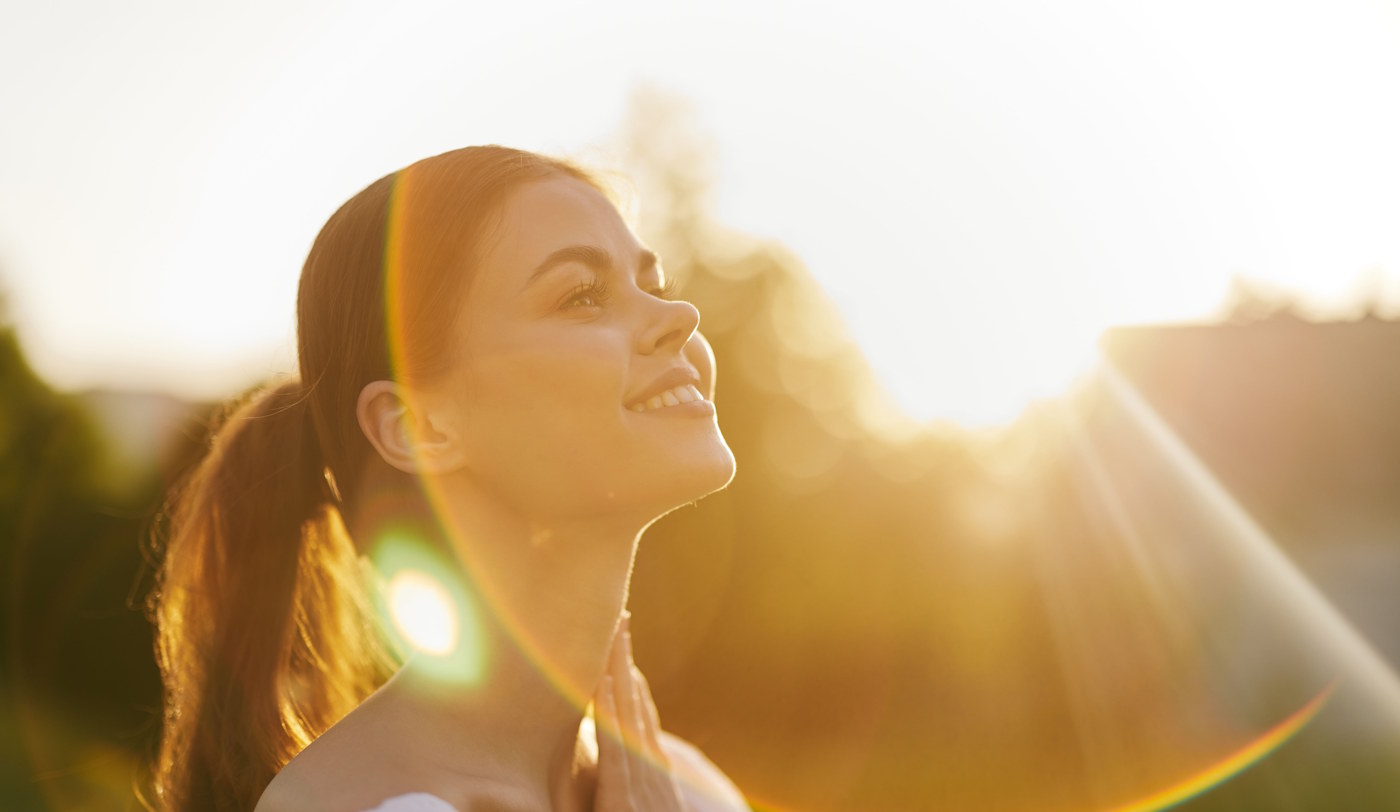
[
  {"x": 1168, "y": 626},
  {"x": 427, "y": 608},
  {"x": 1180, "y": 628},
  {"x": 1233, "y": 764},
  {"x": 422, "y": 612},
  {"x": 413, "y": 218}
]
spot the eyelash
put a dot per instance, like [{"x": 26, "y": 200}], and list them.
[
  {"x": 601, "y": 293},
  {"x": 667, "y": 291}
]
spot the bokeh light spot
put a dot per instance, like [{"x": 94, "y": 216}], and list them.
[
  {"x": 422, "y": 612},
  {"x": 425, "y": 603}
]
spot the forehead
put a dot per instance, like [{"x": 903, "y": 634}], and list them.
[{"x": 545, "y": 215}]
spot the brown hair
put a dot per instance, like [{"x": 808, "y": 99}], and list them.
[{"x": 265, "y": 634}]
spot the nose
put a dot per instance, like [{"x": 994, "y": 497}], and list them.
[{"x": 669, "y": 325}]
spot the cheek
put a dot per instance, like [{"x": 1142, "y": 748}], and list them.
[
  {"x": 553, "y": 392},
  {"x": 546, "y": 406},
  {"x": 560, "y": 448}
]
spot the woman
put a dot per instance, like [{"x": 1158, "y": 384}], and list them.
[{"x": 490, "y": 368}]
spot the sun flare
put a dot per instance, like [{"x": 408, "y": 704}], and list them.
[{"x": 422, "y": 612}]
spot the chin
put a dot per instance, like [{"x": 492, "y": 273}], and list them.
[{"x": 704, "y": 476}]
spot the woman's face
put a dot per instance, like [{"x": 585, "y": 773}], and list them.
[{"x": 569, "y": 387}]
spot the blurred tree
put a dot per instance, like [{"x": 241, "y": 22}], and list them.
[
  {"x": 78, "y": 674},
  {"x": 866, "y": 618},
  {"x": 1250, "y": 301},
  {"x": 855, "y": 603}
]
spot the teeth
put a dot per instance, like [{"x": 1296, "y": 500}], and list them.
[{"x": 685, "y": 393}]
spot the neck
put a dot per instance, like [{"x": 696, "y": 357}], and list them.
[{"x": 548, "y": 596}]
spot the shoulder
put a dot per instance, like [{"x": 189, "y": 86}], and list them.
[
  {"x": 706, "y": 787},
  {"x": 343, "y": 772},
  {"x": 284, "y": 795},
  {"x": 308, "y": 787}
]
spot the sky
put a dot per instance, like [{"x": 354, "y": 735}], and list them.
[{"x": 982, "y": 187}]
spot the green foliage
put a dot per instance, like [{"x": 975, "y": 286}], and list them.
[
  {"x": 47, "y": 446},
  {"x": 77, "y": 674}
]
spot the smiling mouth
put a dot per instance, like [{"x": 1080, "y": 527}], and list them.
[{"x": 675, "y": 396}]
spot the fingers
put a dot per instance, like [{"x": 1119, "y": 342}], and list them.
[
  {"x": 629, "y": 707},
  {"x": 605, "y": 701},
  {"x": 621, "y": 775},
  {"x": 633, "y": 770},
  {"x": 614, "y": 773},
  {"x": 651, "y": 719},
  {"x": 640, "y": 722},
  {"x": 648, "y": 721}
]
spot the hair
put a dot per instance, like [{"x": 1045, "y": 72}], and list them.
[{"x": 265, "y": 632}]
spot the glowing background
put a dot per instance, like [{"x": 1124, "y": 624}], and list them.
[
  {"x": 982, "y": 187},
  {"x": 979, "y": 188}
]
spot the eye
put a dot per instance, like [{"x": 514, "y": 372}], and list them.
[{"x": 593, "y": 293}]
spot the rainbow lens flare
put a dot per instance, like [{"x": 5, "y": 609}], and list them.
[{"x": 1233, "y": 764}]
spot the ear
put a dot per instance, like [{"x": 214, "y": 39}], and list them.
[{"x": 404, "y": 437}]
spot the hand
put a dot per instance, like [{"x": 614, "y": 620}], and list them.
[{"x": 634, "y": 773}]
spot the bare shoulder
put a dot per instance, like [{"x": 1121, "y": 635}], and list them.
[
  {"x": 357, "y": 765},
  {"x": 299, "y": 786},
  {"x": 285, "y": 794},
  {"x": 354, "y": 769},
  {"x": 706, "y": 787},
  {"x": 289, "y": 793}
]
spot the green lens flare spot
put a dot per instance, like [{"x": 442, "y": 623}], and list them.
[
  {"x": 425, "y": 606},
  {"x": 422, "y": 612}
]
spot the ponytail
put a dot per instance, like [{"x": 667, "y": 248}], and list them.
[
  {"x": 264, "y": 631},
  {"x": 265, "y": 635}
]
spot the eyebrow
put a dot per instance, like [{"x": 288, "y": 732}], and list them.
[{"x": 591, "y": 256}]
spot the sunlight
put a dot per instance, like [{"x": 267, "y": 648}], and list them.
[
  {"x": 422, "y": 612},
  {"x": 1067, "y": 168},
  {"x": 1310, "y": 609},
  {"x": 427, "y": 608},
  {"x": 1075, "y": 167},
  {"x": 1182, "y": 629}
]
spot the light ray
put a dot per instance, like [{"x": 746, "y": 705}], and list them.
[{"x": 1263, "y": 556}]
